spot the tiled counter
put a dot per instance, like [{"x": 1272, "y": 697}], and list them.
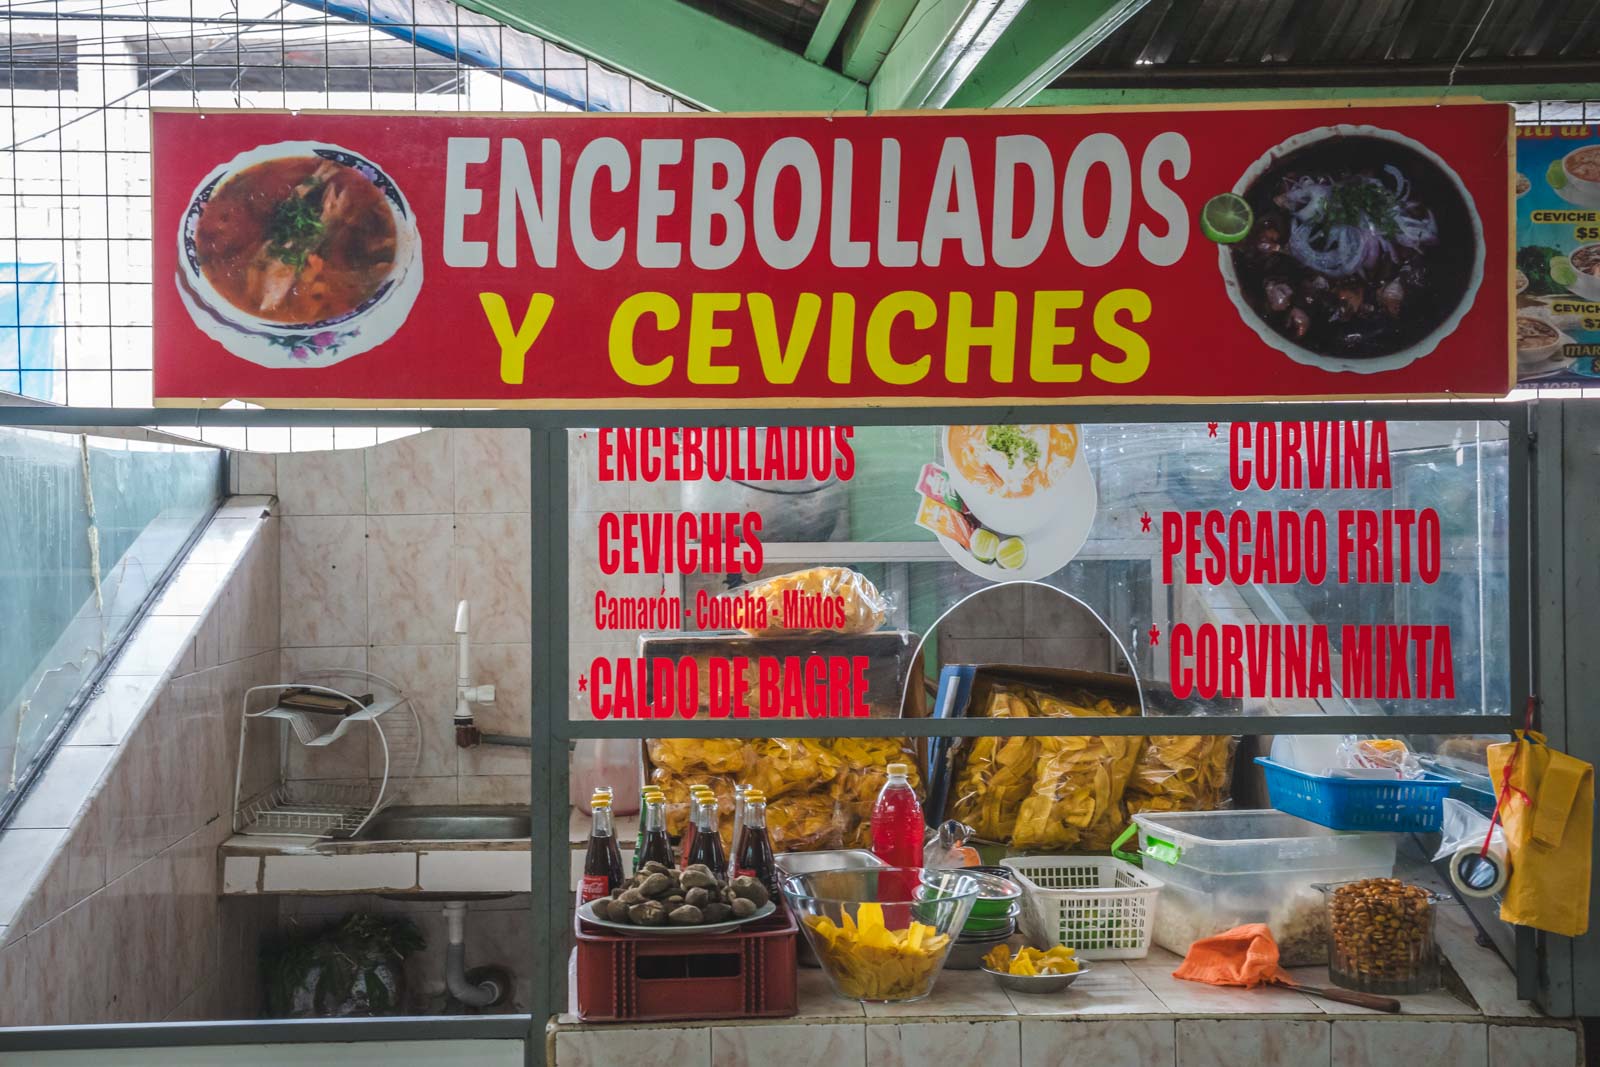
[{"x": 1132, "y": 1014}]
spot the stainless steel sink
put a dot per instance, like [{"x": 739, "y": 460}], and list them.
[{"x": 444, "y": 822}]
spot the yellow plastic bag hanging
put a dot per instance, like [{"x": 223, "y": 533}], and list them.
[{"x": 1547, "y": 808}]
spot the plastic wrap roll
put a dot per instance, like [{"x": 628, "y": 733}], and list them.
[
  {"x": 1478, "y": 874},
  {"x": 1462, "y": 834}
]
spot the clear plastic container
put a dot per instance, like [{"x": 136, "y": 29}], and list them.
[
  {"x": 1221, "y": 869},
  {"x": 1380, "y": 937}
]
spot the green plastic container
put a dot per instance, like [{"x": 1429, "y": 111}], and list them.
[
  {"x": 991, "y": 924},
  {"x": 998, "y": 894}
]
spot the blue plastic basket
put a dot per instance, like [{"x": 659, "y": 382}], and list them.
[{"x": 1414, "y": 805}]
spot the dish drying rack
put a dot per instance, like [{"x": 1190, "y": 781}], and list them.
[{"x": 325, "y": 809}]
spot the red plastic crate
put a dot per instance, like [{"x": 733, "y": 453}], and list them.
[{"x": 746, "y": 974}]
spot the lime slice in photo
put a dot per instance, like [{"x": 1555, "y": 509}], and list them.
[
  {"x": 1556, "y": 175},
  {"x": 1012, "y": 553},
  {"x": 985, "y": 543},
  {"x": 1226, "y": 219},
  {"x": 1562, "y": 272}
]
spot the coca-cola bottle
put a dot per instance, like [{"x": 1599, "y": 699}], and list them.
[
  {"x": 740, "y": 794},
  {"x": 697, "y": 793},
  {"x": 754, "y": 858},
  {"x": 707, "y": 847},
  {"x": 656, "y": 846},
  {"x": 602, "y": 867}
]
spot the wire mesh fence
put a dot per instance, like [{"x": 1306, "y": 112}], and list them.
[{"x": 77, "y": 81}]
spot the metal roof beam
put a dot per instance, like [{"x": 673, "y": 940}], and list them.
[
  {"x": 939, "y": 47},
  {"x": 1509, "y": 93},
  {"x": 829, "y": 26},
  {"x": 1045, "y": 38},
  {"x": 872, "y": 35},
  {"x": 1286, "y": 76},
  {"x": 691, "y": 54}
]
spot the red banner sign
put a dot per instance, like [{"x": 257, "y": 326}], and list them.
[{"x": 664, "y": 261}]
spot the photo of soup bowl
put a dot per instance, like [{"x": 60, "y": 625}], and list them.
[
  {"x": 298, "y": 254},
  {"x": 1585, "y": 262},
  {"x": 1018, "y": 479},
  {"x": 1581, "y": 170},
  {"x": 1027, "y": 494},
  {"x": 1538, "y": 339},
  {"x": 1364, "y": 253}
]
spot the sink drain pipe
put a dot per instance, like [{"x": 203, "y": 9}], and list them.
[{"x": 472, "y": 994}]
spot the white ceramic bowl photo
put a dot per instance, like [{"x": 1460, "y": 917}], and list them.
[
  {"x": 1586, "y": 261},
  {"x": 1538, "y": 339},
  {"x": 1051, "y": 509},
  {"x": 1581, "y": 168},
  {"x": 298, "y": 254},
  {"x": 1356, "y": 364}
]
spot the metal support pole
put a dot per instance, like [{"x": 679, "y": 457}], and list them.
[
  {"x": 1521, "y": 549},
  {"x": 549, "y": 851}
]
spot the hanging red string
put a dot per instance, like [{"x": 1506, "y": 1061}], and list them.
[{"x": 1505, "y": 783}]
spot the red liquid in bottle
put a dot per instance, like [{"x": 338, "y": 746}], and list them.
[{"x": 897, "y": 831}]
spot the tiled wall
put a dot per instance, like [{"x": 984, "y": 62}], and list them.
[
  {"x": 125, "y": 923},
  {"x": 378, "y": 545},
  {"x": 1110, "y": 1042}
]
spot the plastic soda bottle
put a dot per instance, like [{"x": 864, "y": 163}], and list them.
[{"x": 897, "y": 827}]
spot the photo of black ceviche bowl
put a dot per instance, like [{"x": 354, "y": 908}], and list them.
[{"x": 1364, "y": 249}]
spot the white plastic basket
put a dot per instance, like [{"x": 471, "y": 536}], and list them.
[{"x": 1100, "y": 906}]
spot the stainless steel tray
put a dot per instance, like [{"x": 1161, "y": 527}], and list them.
[{"x": 792, "y": 863}]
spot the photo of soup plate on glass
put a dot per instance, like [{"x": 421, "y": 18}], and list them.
[
  {"x": 1010, "y": 502},
  {"x": 1350, "y": 248},
  {"x": 298, "y": 254},
  {"x": 1541, "y": 345},
  {"x": 1575, "y": 177}
]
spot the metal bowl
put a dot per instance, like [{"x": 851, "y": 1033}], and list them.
[
  {"x": 968, "y": 952},
  {"x": 1037, "y": 983}
]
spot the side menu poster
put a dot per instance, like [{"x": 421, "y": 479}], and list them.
[{"x": 1557, "y": 277}]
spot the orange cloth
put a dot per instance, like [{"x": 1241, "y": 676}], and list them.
[{"x": 1245, "y": 955}]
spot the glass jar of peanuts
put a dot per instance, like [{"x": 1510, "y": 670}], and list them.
[{"x": 1380, "y": 936}]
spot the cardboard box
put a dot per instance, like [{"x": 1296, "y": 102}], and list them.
[{"x": 963, "y": 687}]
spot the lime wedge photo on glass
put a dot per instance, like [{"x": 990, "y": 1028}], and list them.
[
  {"x": 1562, "y": 272},
  {"x": 1226, "y": 219}
]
